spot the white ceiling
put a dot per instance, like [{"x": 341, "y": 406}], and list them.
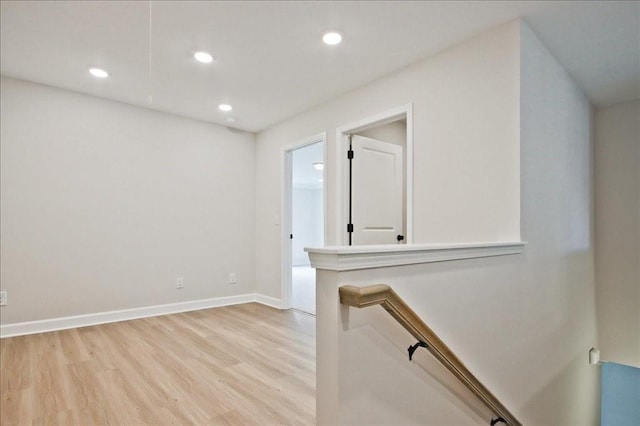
[{"x": 270, "y": 61}]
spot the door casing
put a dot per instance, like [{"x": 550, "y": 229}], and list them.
[
  {"x": 286, "y": 208},
  {"x": 341, "y": 235}
]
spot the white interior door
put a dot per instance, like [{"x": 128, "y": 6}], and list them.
[{"x": 377, "y": 191}]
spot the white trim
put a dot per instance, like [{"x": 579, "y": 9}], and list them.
[
  {"x": 286, "y": 192},
  {"x": 342, "y": 166},
  {"x": 409, "y": 182},
  {"x": 320, "y": 137},
  {"x": 64, "y": 323},
  {"x": 286, "y": 188},
  {"x": 269, "y": 301},
  {"x": 350, "y": 258}
]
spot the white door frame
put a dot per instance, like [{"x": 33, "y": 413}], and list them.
[
  {"x": 342, "y": 167},
  {"x": 287, "y": 206}
]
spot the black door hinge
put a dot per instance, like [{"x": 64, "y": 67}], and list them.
[
  {"x": 350, "y": 154},
  {"x": 350, "y": 227}
]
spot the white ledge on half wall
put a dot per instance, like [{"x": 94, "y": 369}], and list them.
[{"x": 351, "y": 258}]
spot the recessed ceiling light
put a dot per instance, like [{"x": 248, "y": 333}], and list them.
[
  {"x": 332, "y": 38},
  {"x": 318, "y": 166},
  {"x": 203, "y": 57},
  {"x": 225, "y": 107},
  {"x": 98, "y": 72}
]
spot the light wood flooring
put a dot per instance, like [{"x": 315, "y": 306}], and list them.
[
  {"x": 238, "y": 365},
  {"x": 303, "y": 289}
]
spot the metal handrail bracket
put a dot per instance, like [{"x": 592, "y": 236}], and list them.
[{"x": 382, "y": 294}]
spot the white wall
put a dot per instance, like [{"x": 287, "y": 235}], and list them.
[
  {"x": 617, "y": 220},
  {"x": 522, "y": 323},
  {"x": 555, "y": 311},
  {"x": 465, "y": 104},
  {"x": 307, "y": 222},
  {"x": 394, "y": 132},
  {"x": 104, "y": 205}
]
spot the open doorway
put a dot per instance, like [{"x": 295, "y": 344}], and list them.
[
  {"x": 375, "y": 179},
  {"x": 304, "y": 220}
]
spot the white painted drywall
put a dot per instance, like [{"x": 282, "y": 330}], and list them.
[
  {"x": 307, "y": 223},
  {"x": 522, "y": 323},
  {"x": 617, "y": 231},
  {"x": 553, "y": 318},
  {"x": 104, "y": 205},
  {"x": 394, "y": 132},
  {"x": 466, "y": 156}
]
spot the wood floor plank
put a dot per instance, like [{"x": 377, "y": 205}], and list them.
[
  {"x": 53, "y": 394},
  {"x": 16, "y": 356},
  {"x": 15, "y": 408},
  {"x": 237, "y": 365}
]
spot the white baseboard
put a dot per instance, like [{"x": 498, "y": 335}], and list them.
[
  {"x": 63, "y": 323},
  {"x": 269, "y": 301}
]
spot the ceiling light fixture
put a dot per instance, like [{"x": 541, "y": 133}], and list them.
[
  {"x": 318, "y": 166},
  {"x": 98, "y": 72},
  {"x": 332, "y": 38},
  {"x": 203, "y": 57},
  {"x": 225, "y": 107}
]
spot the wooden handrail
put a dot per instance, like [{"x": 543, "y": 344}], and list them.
[{"x": 381, "y": 294}]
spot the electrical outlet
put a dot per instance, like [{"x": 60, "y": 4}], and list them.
[
  {"x": 3, "y": 298},
  {"x": 179, "y": 282},
  {"x": 233, "y": 278}
]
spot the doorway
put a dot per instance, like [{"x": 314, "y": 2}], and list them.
[
  {"x": 375, "y": 179},
  {"x": 304, "y": 220}
]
